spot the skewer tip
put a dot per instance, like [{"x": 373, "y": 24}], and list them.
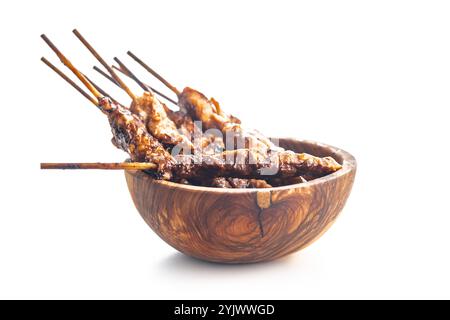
[
  {"x": 154, "y": 73},
  {"x": 103, "y": 62},
  {"x": 45, "y": 38}
]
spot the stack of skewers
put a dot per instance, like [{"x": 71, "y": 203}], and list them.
[{"x": 197, "y": 144}]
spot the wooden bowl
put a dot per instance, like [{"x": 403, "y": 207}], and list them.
[{"x": 245, "y": 225}]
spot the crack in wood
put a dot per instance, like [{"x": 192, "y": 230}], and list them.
[{"x": 264, "y": 201}]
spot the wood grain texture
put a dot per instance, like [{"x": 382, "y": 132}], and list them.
[{"x": 245, "y": 225}]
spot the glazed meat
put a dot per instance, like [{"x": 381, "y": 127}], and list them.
[
  {"x": 236, "y": 183},
  {"x": 130, "y": 135},
  {"x": 208, "y": 111},
  {"x": 201, "y": 108},
  {"x": 153, "y": 113},
  {"x": 182, "y": 121},
  {"x": 246, "y": 163},
  {"x": 150, "y": 133},
  {"x": 204, "y": 142}
]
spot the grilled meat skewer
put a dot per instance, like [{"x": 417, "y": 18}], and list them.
[
  {"x": 152, "y": 111},
  {"x": 208, "y": 111},
  {"x": 212, "y": 117},
  {"x": 245, "y": 163},
  {"x": 131, "y": 134}
]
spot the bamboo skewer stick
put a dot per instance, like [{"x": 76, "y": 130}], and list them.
[
  {"x": 129, "y": 76},
  {"x": 69, "y": 65},
  {"x": 107, "y": 76},
  {"x": 99, "y": 165},
  {"x": 78, "y": 88},
  {"x": 154, "y": 73},
  {"x": 103, "y": 92},
  {"x": 103, "y": 62},
  {"x": 132, "y": 76},
  {"x": 70, "y": 81}
]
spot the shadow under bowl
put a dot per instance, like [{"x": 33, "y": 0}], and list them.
[{"x": 245, "y": 225}]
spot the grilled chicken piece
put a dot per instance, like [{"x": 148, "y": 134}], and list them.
[
  {"x": 130, "y": 134},
  {"x": 208, "y": 111}
]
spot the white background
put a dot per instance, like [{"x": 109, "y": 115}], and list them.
[{"x": 372, "y": 77}]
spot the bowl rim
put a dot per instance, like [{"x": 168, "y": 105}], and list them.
[{"x": 348, "y": 166}]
